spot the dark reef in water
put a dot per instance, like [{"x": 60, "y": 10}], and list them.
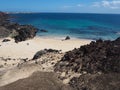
[{"x": 15, "y": 30}]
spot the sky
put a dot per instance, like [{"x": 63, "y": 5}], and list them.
[{"x": 67, "y": 6}]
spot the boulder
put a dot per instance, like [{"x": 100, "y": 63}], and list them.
[
  {"x": 42, "y": 52},
  {"x": 67, "y": 38},
  {"x": 39, "y": 54},
  {"x": 43, "y": 30},
  {"x": 25, "y": 32},
  {"x": 52, "y": 50},
  {"x": 6, "y": 40}
]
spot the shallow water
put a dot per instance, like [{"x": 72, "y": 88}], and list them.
[{"x": 76, "y": 25}]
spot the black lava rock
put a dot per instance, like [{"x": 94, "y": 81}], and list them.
[
  {"x": 99, "y": 56},
  {"x": 39, "y": 54},
  {"x": 110, "y": 81},
  {"x": 15, "y": 30},
  {"x": 42, "y": 52},
  {"x": 43, "y": 30},
  {"x": 67, "y": 38},
  {"x": 6, "y": 40},
  {"x": 25, "y": 32}
]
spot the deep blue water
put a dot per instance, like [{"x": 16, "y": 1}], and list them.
[{"x": 76, "y": 25}]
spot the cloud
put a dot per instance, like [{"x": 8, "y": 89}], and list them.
[
  {"x": 114, "y": 4},
  {"x": 67, "y": 6},
  {"x": 96, "y": 4},
  {"x": 106, "y": 3},
  {"x": 111, "y": 4},
  {"x": 74, "y": 6},
  {"x": 79, "y": 5}
]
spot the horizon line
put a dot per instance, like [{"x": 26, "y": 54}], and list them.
[{"x": 30, "y": 12}]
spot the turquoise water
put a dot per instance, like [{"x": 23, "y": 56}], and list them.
[{"x": 76, "y": 25}]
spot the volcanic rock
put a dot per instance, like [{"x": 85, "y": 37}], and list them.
[
  {"x": 6, "y": 40},
  {"x": 52, "y": 50},
  {"x": 3, "y": 17},
  {"x": 39, "y": 54},
  {"x": 43, "y": 30},
  {"x": 67, "y": 38},
  {"x": 14, "y": 30},
  {"x": 99, "y": 56},
  {"x": 109, "y": 81},
  {"x": 25, "y": 32},
  {"x": 98, "y": 66},
  {"x": 42, "y": 52},
  {"x": 4, "y": 32}
]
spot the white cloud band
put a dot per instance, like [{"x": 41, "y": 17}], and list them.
[{"x": 114, "y": 4}]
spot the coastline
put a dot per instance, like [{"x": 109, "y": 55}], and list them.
[
  {"x": 80, "y": 26},
  {"x": 25, "y": 58},
  {"x": 12, "y": 56},
  {"x": 16, "y": 53},
  {"x": 30, "y": 47}
]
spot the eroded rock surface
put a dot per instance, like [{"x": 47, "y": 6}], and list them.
[
  {"x": 109, "y": 81},
  {"x": 99, "y": 56},
  {"x": 96, "y": 65}
]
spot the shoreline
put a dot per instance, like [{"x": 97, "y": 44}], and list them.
[
  {"x": 29, "y": 62},
  {"x": 12, "y": 56},
  {"x": 30, "y": 47},
  {"x": 62, "y": 38}
]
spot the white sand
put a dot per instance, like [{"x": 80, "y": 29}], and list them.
[
  {"x": 10, "y": 73},
  {"x": 22, "y": 50}
]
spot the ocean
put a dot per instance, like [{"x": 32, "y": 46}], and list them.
[{"x": 75, "y": 25}]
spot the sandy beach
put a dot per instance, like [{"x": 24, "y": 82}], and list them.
[
  {"x": 59, "y": 50},
  {"x": 12, "y": 55},
  {"x": 27, "y": 49}
]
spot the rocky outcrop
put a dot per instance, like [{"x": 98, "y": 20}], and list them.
[
  {"x": 15, "y": 30},
  {"x": 25, "y": 32},
  {"x": 6, "y": 40},
  {"x": 4, "y": 32},
  {"x": 67, "y": 38},
  {"x": 97, "y": 64},
  {"x": 110, "y": 81},
  {"x": 99, "y": 56},
  {"x": 42, "y": 52},
  {"x": 3, "y": 17},
  {"x": 43, "y": 30}
]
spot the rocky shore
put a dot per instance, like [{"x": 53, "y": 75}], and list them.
[
  {"x": 47, "y": 64},
  {"x": 96, "y": 64},
  {"x": 15, "y": 30}
]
